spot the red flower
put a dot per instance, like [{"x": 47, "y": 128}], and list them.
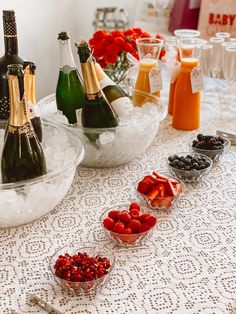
[
  {"x": 137, "y": 30},
  {"x": 109, "y": 38},
  {"x": 99, "y": 35},
  {"x": 128, "y": 32},
  {"x": 117, "y": 33},
  {"x": 145, "y": 35},
  {"x": 119, "y": 42},
  {"x": 102, "y": 63},
  {"x": 129, "y": 47}
]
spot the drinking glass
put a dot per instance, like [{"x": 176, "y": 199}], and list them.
[
  {"x": 205, "y": 64},
  {"x": 216, "y": 63},
  {"x": 186, "y": 33},
  {"x": 223, "y": 35},
  {"x": 232, "y": 39},
  {"x": 229, "y": 70}
]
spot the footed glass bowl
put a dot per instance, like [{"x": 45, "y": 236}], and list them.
[
  {"x": 25, "y": 201},
  {"x": 111, "y": 147},
  {"x": 93, "y": 249}
]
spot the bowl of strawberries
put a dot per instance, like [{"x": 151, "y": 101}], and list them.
[
  {"x": 159, "y": 191},
  {"x": 129, "y": 225}
]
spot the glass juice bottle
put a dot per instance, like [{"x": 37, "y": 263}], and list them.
[
  {"x": 186, "y": 110},
  {"x": 179, "y": 33},
  {"x": 148, "y": 80}
]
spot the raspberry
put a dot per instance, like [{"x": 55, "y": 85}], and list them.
[
  {"x": 127, "y": 231},
  {"x": 134, "y": 213},
  {"x": 108, "y": 223},
  {"x": 144, "y": 227},
  {"x": 118, "y": 227},
  {"x": 124, "y": 216},
  {"x": 135, "y": 225},
  {"x": 151, "y": 221},
  {"x": 143, "y": 217},
  {"x": 113, "y": 214},
  {"x": 134, "y": 205}
]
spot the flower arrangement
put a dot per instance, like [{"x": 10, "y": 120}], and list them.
[{"x": 110, "y": 50}]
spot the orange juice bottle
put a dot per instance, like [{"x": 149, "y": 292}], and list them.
[
  {"x": 186, "y": 110},
  {"x": 143, "y": 82},
  {"x": 148, "y": 76}
]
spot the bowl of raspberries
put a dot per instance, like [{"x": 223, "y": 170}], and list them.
[
  {"x": 212, "y": 146},
  {"x": 129, "y": 225},
  {"x": 189, "y": 167},
  {"x": 82, "y": 267}
]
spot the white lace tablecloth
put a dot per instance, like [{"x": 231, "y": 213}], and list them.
[{"x": 191, "y": 264}]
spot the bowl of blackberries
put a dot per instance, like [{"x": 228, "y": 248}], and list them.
[
  {"x": 189, "y": 167},
  {"x": 212, "y": 146}
]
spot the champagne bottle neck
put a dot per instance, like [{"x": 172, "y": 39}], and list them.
[
  {"x": 29, "y": 82},
  {"x": 66, "y": 56},
  {"x": 10, "y": 36},
  {"x": 18, "y": 111},
  {"x": 91, "y": 84}
]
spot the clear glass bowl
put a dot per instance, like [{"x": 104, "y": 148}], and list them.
[
  {"x": 93, "y": 249},
  {"x": 25, "y": 201},
  {"x": 190, "y": 176},
  {"x": 128, "y": 240},
  {"x": 114, "y": 146},
  {"x": 214, "y": 154},
  {"x": 160, "y": 202}
]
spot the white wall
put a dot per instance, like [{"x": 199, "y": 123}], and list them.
[{"x": 39, "y": 22}]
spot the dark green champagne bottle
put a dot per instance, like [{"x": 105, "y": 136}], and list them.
[
  {"x": 10, "y": 57},
  {"x": 22, "y": 155},
  {"x": 69, "y": 92},
  {"x": 96, "y": 112},
  {"x": 30, "y": 97}
]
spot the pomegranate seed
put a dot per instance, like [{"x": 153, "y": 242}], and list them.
[
  {"x": 108, "y": 223},
  {"x": 134, "y": 205},
  {"x": 134, "y": 213},
  {"x": 118, "y": 227}
]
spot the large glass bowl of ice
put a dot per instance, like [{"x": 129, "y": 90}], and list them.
[
  {"x": 25, "y": 201},
  {"x": 110, "y": 147}
]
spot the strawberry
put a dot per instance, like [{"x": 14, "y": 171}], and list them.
[
  {"x": 127, "y": 231},
  {"x": 108, "y": 223},
  {"x": 134, "y": 225},
  {"x": 162, "y": 202},
  {"x": 113, "y": 214},
  {"x": 118, "y": 227},
  {"x": 170, "y": 188},
  {"x": 124, "y": 216},
  {"x": 162, "y": 190},
  {"x": 145, "y": 227},
  {"x": 151, "y": 220},
  {"x": 134, "y": 213},
  {"x": 143, "y": 187},
  {"x": 134, "y": 205},
  {"x": 153, "y": 193},
  {"x": 143, "y": 217},
  {"x": 150, "y": 179},
  {"x": 162, "y": 176}
]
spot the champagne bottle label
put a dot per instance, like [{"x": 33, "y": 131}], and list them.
[
  {"x": 122, "y": 106},
  {"x": 32, "y": 110},
  {"x": 106, "y": 81}
]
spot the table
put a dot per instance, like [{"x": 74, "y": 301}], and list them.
[{"x": 191, "y": 264}]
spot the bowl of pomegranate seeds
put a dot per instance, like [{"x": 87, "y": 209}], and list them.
[
  {"x": 129, "y": 225},
  {"x": 159, "y": 191},
  {"x": 82, "y": 267}
]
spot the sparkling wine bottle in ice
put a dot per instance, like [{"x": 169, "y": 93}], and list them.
[
  {"x": 22, "y": 155},
  {"x": 30, "y": 97},
  {"x": 96, "y": 112},
  {"x": 69, "y": 92}
]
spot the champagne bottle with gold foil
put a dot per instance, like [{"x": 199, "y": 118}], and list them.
[
  {"x": 11, "y": 56},
  {"x": 22, "y": 155},
  {"x": 30, "y": 97},
  {"x": 96, "y": 111}
]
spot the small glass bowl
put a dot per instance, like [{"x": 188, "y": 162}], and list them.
[
  {"x": 191, "y": 176},
  {"x": 214, "y": 154},
  {"x": 93, "y": 249},
  {"x": 160, "y": 202},
  {"x": 128, "y": 240}
]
